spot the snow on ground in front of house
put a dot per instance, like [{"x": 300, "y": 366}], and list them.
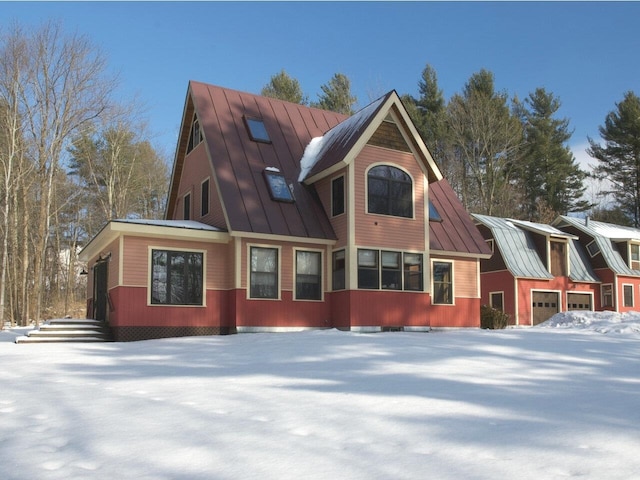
[{"x": 551, "y": 402}]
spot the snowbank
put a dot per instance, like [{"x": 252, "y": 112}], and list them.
[{"x": 601, "y": 322}]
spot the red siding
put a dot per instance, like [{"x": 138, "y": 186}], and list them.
[
  {"x": 465, "y": 313},
  {"x": 280, "y": 313},
  {"x": 131, "y": 310}
]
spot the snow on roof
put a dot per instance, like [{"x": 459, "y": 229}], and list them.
[
  {"x": 340, "y": 135},
  {"x": 189, "y": 224},
  {"x": 310, "y": 156},
  {"x": 614, "y": 232},
  {"x": 541, "y": 228}
]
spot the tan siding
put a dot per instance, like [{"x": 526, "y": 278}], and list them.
[
  {"x": 113, "y": 248},
  {"x": 197, "y": 168},
  {"x": 136, "y": 265},
  {"x": 287, "y": 262},
  {"x": 383, "y": 230},
  {"x": 465, "y": 277},
  {"x": 339, "y": 223}
]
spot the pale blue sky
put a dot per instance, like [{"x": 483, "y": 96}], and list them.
[{"x": 586, "y": 53}]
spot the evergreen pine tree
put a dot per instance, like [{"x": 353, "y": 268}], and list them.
[
  {"x": 336, "y": 95},
  {"x": 283, "y": 87},
  {"x": 619, "y": 157},
  {"x": 548, "y": 174}
]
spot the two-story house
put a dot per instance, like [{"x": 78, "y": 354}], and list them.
[
  {"x": 614, "y": 253},
  {"x": 536, "y": 270},
  {"x": 285, "y": 217}
]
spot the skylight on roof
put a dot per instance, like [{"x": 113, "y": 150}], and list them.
[
  {"x": 257, "y": 130},
  {"x": 278, "y": 188}
]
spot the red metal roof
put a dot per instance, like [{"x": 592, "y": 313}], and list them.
[
  {"x": 456, "y": 232},
  {"x": 239, "y": 162}
]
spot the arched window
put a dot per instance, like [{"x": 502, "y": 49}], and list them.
[{"x": 390, "y": 191}]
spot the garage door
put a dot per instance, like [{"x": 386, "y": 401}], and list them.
[
  {"x": 545, "y": 305},
  {"x": 579, "y": 301}
]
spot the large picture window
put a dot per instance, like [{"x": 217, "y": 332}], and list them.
[
  {"x": 176, "y": 277},
  {"x": 390, "y": 192},
  {"x": 264, "y": 273},
  {"x": 308, "y": 275},
  {"x": 442, "y": 283}
]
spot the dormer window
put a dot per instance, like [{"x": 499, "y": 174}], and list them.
[
  {"x": 195, "y": 136},
  {"x": 635, "y": 256},
  {"x": 257, "y": 130},
  {"x": 593, "y": 248},
  {"x": 390, "y": 192},
  {"x": 278, "y": 188}
]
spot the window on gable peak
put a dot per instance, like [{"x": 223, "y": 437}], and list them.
[
  {"x": 257, "y": 130},
  {"x": 195, "y": 135}
]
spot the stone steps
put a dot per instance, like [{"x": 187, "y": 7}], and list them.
[{"x": 68, "y": 330}]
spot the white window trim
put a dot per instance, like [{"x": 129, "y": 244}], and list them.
[
  {"x": 491, "y": 294},
  {"x": 453, "y": 283},
  {"x": 279, "y": 277},
  {"x": 613, "y": 297},
  {"x": 633, "y": 295},
  {"x": 166, "y": 248},
  {"x": 295, "y": 274}
]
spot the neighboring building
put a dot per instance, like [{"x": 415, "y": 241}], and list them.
[
  {"x": 284, "y": 217},
  {"x": 536, "y": 271},
  {"x": 614, "y": 253}
]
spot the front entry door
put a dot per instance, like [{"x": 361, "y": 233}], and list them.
[{"x": 100, "y": 291}]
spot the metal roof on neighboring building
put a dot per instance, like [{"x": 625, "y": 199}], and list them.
[
  {"x": 604, "y": 234},
  {"x": 516, "y": 246}
]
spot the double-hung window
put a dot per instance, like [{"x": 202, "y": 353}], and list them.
[
  {"x": 389, "y": 192},
  {"x": 176, "y": 277},
  {"x": 264, "y": 273},
  {"x": 308, "y": 275},
  {"x": 443, "y": 283}
]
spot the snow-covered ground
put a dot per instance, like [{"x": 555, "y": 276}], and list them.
[{"x": 556, "y": 401}]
